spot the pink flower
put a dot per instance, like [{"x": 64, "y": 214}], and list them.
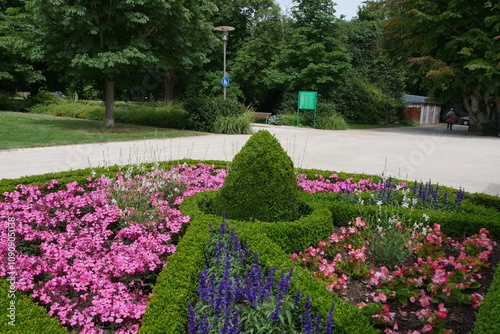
[
  {"x": 427, "y": 329},
  {"x": 440, "y": 276},
  {"x": 442, "y": 311},
  {"x": 380, "y": 297}
]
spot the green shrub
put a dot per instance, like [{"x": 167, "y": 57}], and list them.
[
  {"x": 69, "y": 108},
  {"x": 331, "y": 122},
  {"x": 261, "y": 183},
  {"x": 286, "y": 119},
  {"x": 488, "y": 201},
  {"x": 203, "y": 111},
  {"x": 238, "y": 124},
  {"x": 163, "y": 115},
  {"x": 47, "y": 98},
  {"x": 486, "y": 320},
  {"x": 11, "y": 103},
  {"x": 27, "y": 316}
]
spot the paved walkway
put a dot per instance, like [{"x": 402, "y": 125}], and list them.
[{"x": 455, "y": 158}]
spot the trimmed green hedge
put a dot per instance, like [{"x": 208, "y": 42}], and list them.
[
  {"x": 29, "y": 317},
  {"x": 261, "y": 183},
  {"x": 455, "y": 224},
  {"x": 487, "y": 318},
  {"x": 178, "y": 282}
]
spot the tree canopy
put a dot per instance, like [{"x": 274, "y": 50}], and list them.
[
  {"x": 448, "y": 50},
  {"x": 453, "y": 46},
  {"x": 112, "y": 40}
]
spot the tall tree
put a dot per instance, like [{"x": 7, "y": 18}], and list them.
[
  {"x": 254, "y": 57},
  {"x": 110, "y": 40},
  {"x": 313, "y": 55},
  {"x": 454, "y": 45},
  {"x": 17, "y": 72}
]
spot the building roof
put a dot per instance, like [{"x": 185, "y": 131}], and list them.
[{"x": 416, "y": 99}]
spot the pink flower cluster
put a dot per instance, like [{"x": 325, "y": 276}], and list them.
[
  {"x": 348, "y": 253},
  {"x": 334, "y": 184},
  {"x": 432, "y": 279},
  {"x": 88, "y": 258}
]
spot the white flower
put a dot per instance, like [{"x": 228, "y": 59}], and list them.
[
  {"x": 426, "y": 217},
  {"x": 379, "y": 203}
]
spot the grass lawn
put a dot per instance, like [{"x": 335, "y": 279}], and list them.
[{"x": 18, "y": 130}]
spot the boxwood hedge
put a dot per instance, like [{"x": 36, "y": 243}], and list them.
[{"x": 177, "y": 283}]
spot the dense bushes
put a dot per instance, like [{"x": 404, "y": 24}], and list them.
[
  {"x": 327, "y": 117},
  {"x": 487, "y": 321},
  {"x": 215, "y": 114},
  {"x": 10, "y": 103},
  {"x": 170, "y": 115},
  {"x": 201, "y": 114},
  {"x": 261, "y": 183},
  {"x": 25, "y": 315}
]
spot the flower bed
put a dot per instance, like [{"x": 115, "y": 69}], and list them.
[
  {"x": 102, "y": 243},
  {"x": 430, "y": 281},
  {"x": 91, "y": 253}
]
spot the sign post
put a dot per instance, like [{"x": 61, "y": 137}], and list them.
[{"x": 307, "y": 101}]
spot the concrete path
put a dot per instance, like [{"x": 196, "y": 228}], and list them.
[{"x": 455, "y": 158}]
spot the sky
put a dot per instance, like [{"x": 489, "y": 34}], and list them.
[{"x": 349, "y": 8}]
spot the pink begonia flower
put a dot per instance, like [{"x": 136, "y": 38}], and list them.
[
  {"x": 442, "y": 311},
  {"x": 427, "y": 328},
  {"x": 379, "y": 297},
  {"x": 440, "y": 276}
]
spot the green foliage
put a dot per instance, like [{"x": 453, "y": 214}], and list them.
[
  {"x": 11, "y": 103},
  {"x": 165, "y": 115},
  {"x": 119, "y": 40},
  {"x": 27, "y": 316},
  {"x": 488, "y": 201},
  {"x": 260, "y": 183},
  {"x": 17, "y": 69},
  {"x": 205, "y": 111},
  {"x": 239, "y": 124},
  {"x": 178, "y": 282},
  {"x": 487, "y": 317},
  {"x": 168, "y": 115},
  {"x": 451, "y": 49}
]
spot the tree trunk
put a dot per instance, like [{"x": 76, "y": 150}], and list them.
[
  {"x": 170, "y": 80},
  {"x": 109, "y": 98}
]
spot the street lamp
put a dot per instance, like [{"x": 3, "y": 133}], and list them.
[{"x": 225, "y": 36}]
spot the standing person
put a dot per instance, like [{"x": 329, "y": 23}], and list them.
[{"x": 450, "y": 119}]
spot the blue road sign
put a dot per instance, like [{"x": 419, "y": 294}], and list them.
[{"x": 225, "y": 81}]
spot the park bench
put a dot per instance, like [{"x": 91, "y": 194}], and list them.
[{"x": 261, "y": 115}]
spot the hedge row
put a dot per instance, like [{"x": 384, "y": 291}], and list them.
[
  {"x": 486, "y": 320},
  {"x": 20, "y": 314},
  {"x": 455, "y": 224},
  {"x": 177, "y": 284}
]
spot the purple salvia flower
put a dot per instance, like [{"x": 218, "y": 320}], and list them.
[{"x": 329, "y": 320}]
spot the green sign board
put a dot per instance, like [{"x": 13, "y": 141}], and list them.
[{"x": 307, "y": 100}]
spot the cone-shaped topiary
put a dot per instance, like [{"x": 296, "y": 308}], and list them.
[{"x": 261, "y": 183}]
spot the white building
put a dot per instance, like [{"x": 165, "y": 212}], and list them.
[{"x": 421, "y": 109}]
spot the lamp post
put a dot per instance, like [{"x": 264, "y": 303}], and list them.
[{"x": 225, "y": 36}]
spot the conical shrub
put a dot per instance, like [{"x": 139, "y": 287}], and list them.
[{"x": 261, "y": 183}]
